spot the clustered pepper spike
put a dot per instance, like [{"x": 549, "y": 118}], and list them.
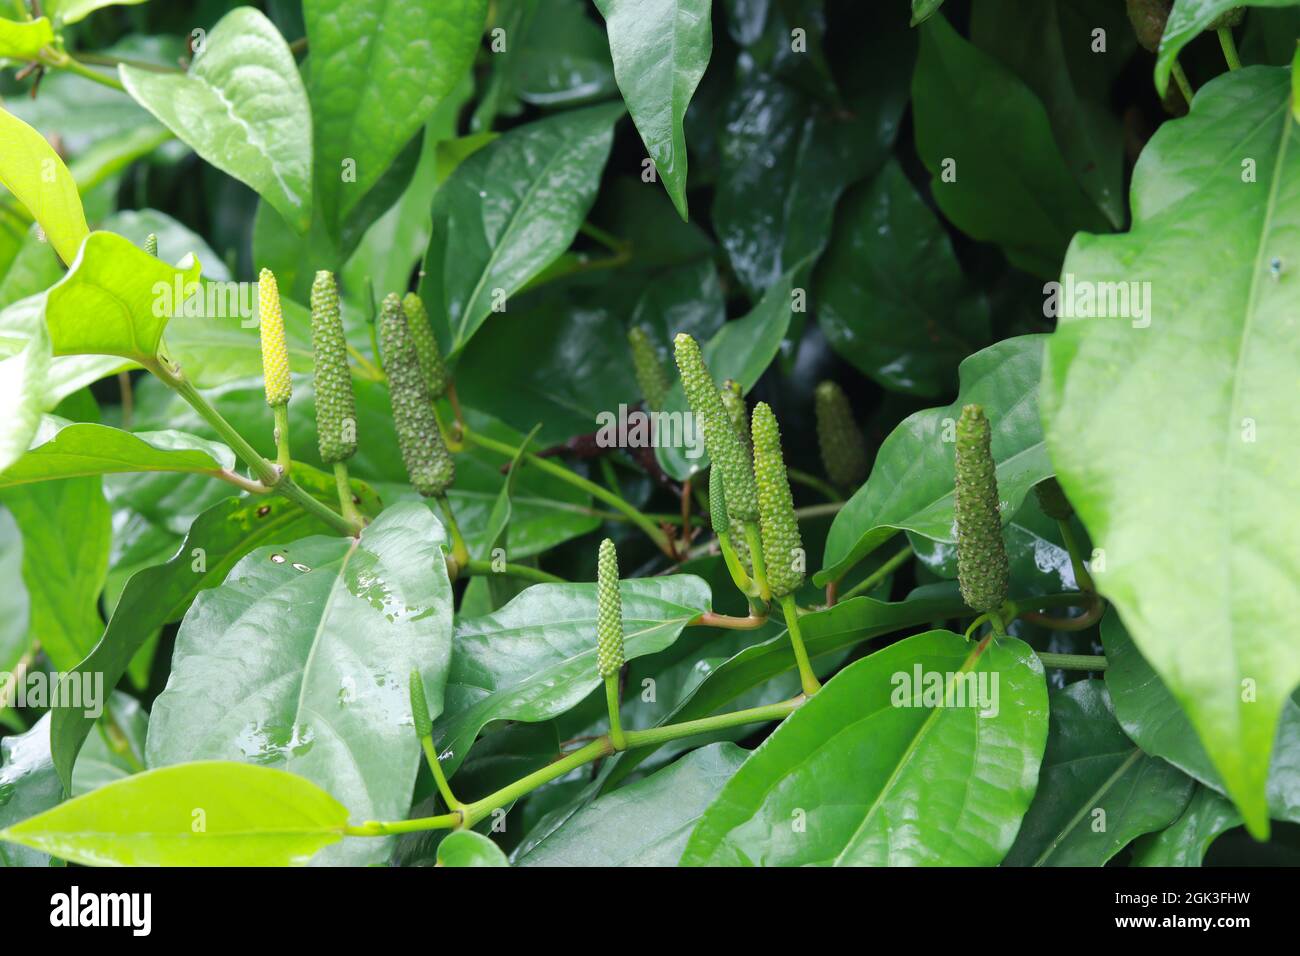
[
  {"x": 420, "y": 707},
  {"x": 1148, "y": 18},
  {"x": 428, "y": 463},
  {"x": 718, "y": 516},
  {"x": 1052, "y": 501},
  {"x": 151, "y": 244},
  {"x": 336, "y": 407},
  {"x": 733, "y": 400},
  {"x": 1228, "y": 20},
  {"x": 982, "y": 567},
  {"x": 782, "y": 545},
  {"x": 609, "y": 613},
  {"x": 719, "y": 435},
  {"x": 432, "y": 366},
  {"x": 275, "y": 354},
  {"x": 844, "y": 452},
  {"x": 650, "y": 375}
]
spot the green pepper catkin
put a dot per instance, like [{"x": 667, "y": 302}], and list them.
[
  {"x": 718, "y": 516},
  {"x": 420, "y": 707},
  {"x": 844, "y": 452},
  {"x": 733, "y": 400},
  {"x": 275, "y": 354},
  {"x": 719, "y": 435},
  {"x": 432, "y": 366},
  {"x": 650, "y": 375},
  {"x": 1052, "y": 501},
  {"x": 782, "y": 546},
  {"x": 428, "y": 463},
  {"x": 982, "y": 568},
  {"x": 336, "y": 407},
  {"x": 609, "y": 613},
  {"x": 151, "y": 244}
]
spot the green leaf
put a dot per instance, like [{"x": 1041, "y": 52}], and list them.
[
  {"x": 300, "y": 660},
  {"x": 922, "y": 10},
  {"x": 114, "y": 299},
  {"x": 660, "y": 50},
  {"x": 28, "y": 786},
  {"x": 1152, "y": 717},
  {"x": 23, "y": 40},
  {"x": 241, "y": 107},
  {"x": 67, "y": 530},
  {"x": 1184, "y": 842},
  {"x": 71, "y": 11},
  {"x": 377, "y": 71},
  {"x": 911, "y": 483},
  {"x": 891, "y": 296},
  {"x": 24, "y": 383},
  {"x": 536, "y": 657},
  {"x": 878, "y": 774},
  {"x": 507, "y": 212},
  {"x": 175, "y": 240},
  {"x": 995, "y": 167},
  {"x": 467, "y": 848},
  {"x": 1097, "y": 790},
  {"x": 645, "y": 823},
  {"x": 159, "y": 594},
  {"x": 1196, "y": 495},
  {"x": 35, "y": 268},
  {"x": 208, "y": 813},
  {"x": 64, "y": 449},
  {"x": 1187, "y": 20},
  {"x": 15, "y": 606},
  {"x": 34, "y": 173},
  {"x": 563, "y": 58}
]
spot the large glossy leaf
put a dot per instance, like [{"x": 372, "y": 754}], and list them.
[
  {"x": 563, "y": 57},
  {"x": 660, "y": 50},
  {"x": 66, "y": 529},
  {"x": 911, "y": 483},
  {"x": 988, "y": 144},
  {"x": 891, "y": 296},
  {"x": 22, "y": 40},
  {"x": 1097, "y": 790},
  {"x": 536, "y": 657},
  {"x": 34, "y": 173},
  {"x": 207, "y": 813},
  {"x": 507, "y": 212},
  {"x": 300, "y": 660},
  {"x": 1186, "y": 21},
  {"x": 1152, "y": 717},
  {"x": 15, "y": 606},
  {"x": 1184, "y": 842},
  {"x": 242, "y": 107},
  {"x": 28, "y": 786},
  {"x": 64, "y": 449},
  {"x": 159, "y": 594},
  {"x": 468, "y": 848},
  {"x": 872, "y": 772},
  {"x": 112, "y": 301},
  {"x": 1206, "y": 492},
  {"x": 645, "y": 823},
  {"x": 24, "y": 383},
  {"x": 377, "y": 71}
]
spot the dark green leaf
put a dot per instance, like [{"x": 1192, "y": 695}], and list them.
[{"x": 1184, "y": 842}]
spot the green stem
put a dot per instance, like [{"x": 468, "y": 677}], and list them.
[
  {"x": 819, "y": 511},
  {"x": 726, "y": 621},
  {"x": 62, "y": 61},
  {"x": 737, "y": 570},
  {"x": 1073, "y": 662},
  {"x": 824, "y": 488},
  {"x": 754, "y": 538},
  {"x": 608, "y": 240},
  {"x": 616, "y": 737},
  {"x": 1183, "y": 84},
  {"x": 1229, "y": 48},
  {"x": 523, "y": 571},
  {"x": 878, "y": 575},
  {"x": 284, "y": 459},
  {"x": 439, "y": 778},
  {"x": 459, "y": 552},
  {"x": 652, "y": 530},
  {"x": 101, "y": 59},
  {"x": 1081, "y": 576},
  {"x": 807, "y": 678},
  {"x": 344, "y": 485}
]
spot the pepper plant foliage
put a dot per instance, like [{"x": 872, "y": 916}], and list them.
[{"x": 362, "y": 365}]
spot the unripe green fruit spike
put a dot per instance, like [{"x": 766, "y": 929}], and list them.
[
  {"x": 428, "y": 463},
  {"x": 275, "y": 354},
  {"x": 722, "y": 526},
  {"x": 1052, "y": 500},
  {"x": 782, "y": 545},
  {"x": 720, "y": 437},
  {"x": 432, "y": 367},
  {"x": 733, "y": 400},
  {"x": 1148, "y": 18},
  {"x": 718, "y": 516},
  {"x": 650, "y": 375},
  {"x": 982, "y": 567},
  {"x": 609, "y": 636},
  {"x": 844, "y": 453},
  {"x": 151, "y": 244},
  {"x": 336, "y": 408},
  {"x": 1228, "y": 20}
]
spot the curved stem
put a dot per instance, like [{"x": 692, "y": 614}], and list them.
[
  {"x": 616, "y": 737},
  {"x": 344, "y": 485},
  {"x": 824, "y": 488},
  {"x": 283, "y": 457},
  {"x": 710, "y": 619},
  {"x": 754, "y": 538},
  {"x": 1073, "y": 662},
  {"x": 475, "y": 567},
  {"x": 1184, "y": 85},
  {"x": 459, "y": 552},
  {"x": 878, "y": 575},
  {"x": 1081, "y": 576},
  {"x": 652, "y": 530},
  {"x": 60, "y": 60},
  {"x": 102, "y": 59},
  {"x": 807, "y": 678},
  {"x": 1229, "y": 48},
  {"x": 439, "y": 778}
]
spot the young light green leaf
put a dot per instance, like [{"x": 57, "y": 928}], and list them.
[
  {"x": 660, "y": 50},
  {"x": 301, "y": 660},
  {"x": 64, "y": 449},
  {"x": 250, "y": 816},
  {"x": 507, "y": 212},
  {"x": 468, "y": 848},
  {"x": 1218, "y": 357},
  {"x": 883, "y": 769},
  {"x": 1097, "y": 790},
  {"x": 23, "y": 40},
  {"x": 72, "y": 11},
  {"x": 242, "y": 107},
  {"x": 24, "y": 375},
  {"x": 34, "y": 173},
  {"x": 911, "y": 483}
]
